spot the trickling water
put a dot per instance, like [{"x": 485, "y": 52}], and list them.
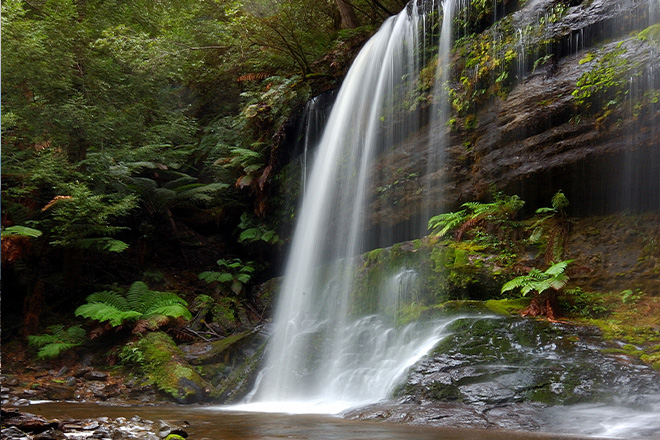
[
  {"x": 321, "y": 352},
  {"x": 440, "y": 110},
  {"x": 315, "y": 118}
]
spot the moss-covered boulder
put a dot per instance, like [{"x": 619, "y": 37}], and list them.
[{"x": 164, "y": 366}]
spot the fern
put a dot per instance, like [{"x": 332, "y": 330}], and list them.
[
  {"x": 57, "y": 341},
  {"x": 21, "y": 230},
  {"x": 104, "y": 312},
  {"x": 443, "y": 223},
  {"x": 553, "y": 278},
  {"x": 111, "y": 298},
  {"x": 151, "y": 309}
]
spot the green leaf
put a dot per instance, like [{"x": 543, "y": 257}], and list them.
[
  {"x": 21, "y": 230},
  {"x": 210, "y": 277},
  {"x": 249, "y": 235},
  {"x": 243, "y": 277}
]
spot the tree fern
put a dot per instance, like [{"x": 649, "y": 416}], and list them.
[
  {"x": 554, "y": 277},
  {"x": 139, "y": 304}
]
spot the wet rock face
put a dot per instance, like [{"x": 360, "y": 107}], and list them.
[
  {"x": 537, "y": 140},
  {"x": 505, "y": 372}
]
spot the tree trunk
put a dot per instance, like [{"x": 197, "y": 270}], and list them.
[
  {"x": 546, "y": 304},
  {"x": 348, "y": 18}
]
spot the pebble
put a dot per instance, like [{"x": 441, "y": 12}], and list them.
[{"x": 103, "y": 428}]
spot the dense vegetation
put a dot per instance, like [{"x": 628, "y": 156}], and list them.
[{"x": 140, "y": 141}]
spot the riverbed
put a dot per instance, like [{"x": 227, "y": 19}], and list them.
[{"x": 214, "y": 423}]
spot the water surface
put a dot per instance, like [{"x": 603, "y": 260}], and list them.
[{"x": 209, "y": 423}]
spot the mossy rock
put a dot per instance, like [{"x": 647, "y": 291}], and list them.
[
  {"x": 165, "y": 367},
  {"x": 228, "y": 351}
]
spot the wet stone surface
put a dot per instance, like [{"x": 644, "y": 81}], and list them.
[
  {"x": 25, "y": 426},
  {"x": 512, "y": 373}
]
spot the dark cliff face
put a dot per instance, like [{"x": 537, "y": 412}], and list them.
[{"x": 586, "y": 121}]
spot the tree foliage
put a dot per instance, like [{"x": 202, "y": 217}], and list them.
[{"x": 132, "y": 127}]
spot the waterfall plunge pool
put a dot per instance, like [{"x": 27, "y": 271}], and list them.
[{"x": 215, "y": 423}]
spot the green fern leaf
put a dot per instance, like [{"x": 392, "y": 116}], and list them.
[
  {"x": 170, "y": 311},
  {"x": 111, "y": 298},
  {"x": 516, "y": 283},
  {"x": 558, "y": 268},
  {"x": 21, "y": 230},
  {"x": 54, "y": 349},
  {"x": 104, "y": 312},
  {"x": 138, "y": 296}
]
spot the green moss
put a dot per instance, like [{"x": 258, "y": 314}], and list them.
[
  {"x": 651, "y": 33},
  {"x": 174, "y": 437},
  {"x": 507, "y": 306},
  {"x": 164, "y": 366}
]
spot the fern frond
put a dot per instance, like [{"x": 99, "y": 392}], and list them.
[
  {"x": 138, "y": 296},
  {"x": 558, "y": 268},
  {"x": 443, "y": 223},
  {"x": 57, "y": 341},
  {"x": 76, "y": 333},
  {"x": 169, "y": 311},
  {"x": 105, "y": 312},
  {"x": 558, "y": 282},
  {"x": 113, "y": 299},
  {"x": 185, "y": 179},
  {"x": 21, "y": 230},
  {"x": 516, "y": 283},
  {"x": 53, "y": 350}
]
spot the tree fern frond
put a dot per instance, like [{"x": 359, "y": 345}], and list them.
[
  {"x": 21, "y": 230},
  {"x": 558, "y": 268},
  {"x": 111, "y": 298},
  {"x": 516, "y": 283},
  {"x": 105, "y": 312},
  {"x": 182, "y": 181},
  {"x": 54, "y": 349},
  {"x": 169, "y": 311},
  {"x": 558, "y": 282},
  {"x": 138, "y": 296}
]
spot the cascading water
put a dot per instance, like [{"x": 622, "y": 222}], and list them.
[{"x": 321, "y": 350}]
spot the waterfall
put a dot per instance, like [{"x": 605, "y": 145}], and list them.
[{"x": 322, "y": 352}]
